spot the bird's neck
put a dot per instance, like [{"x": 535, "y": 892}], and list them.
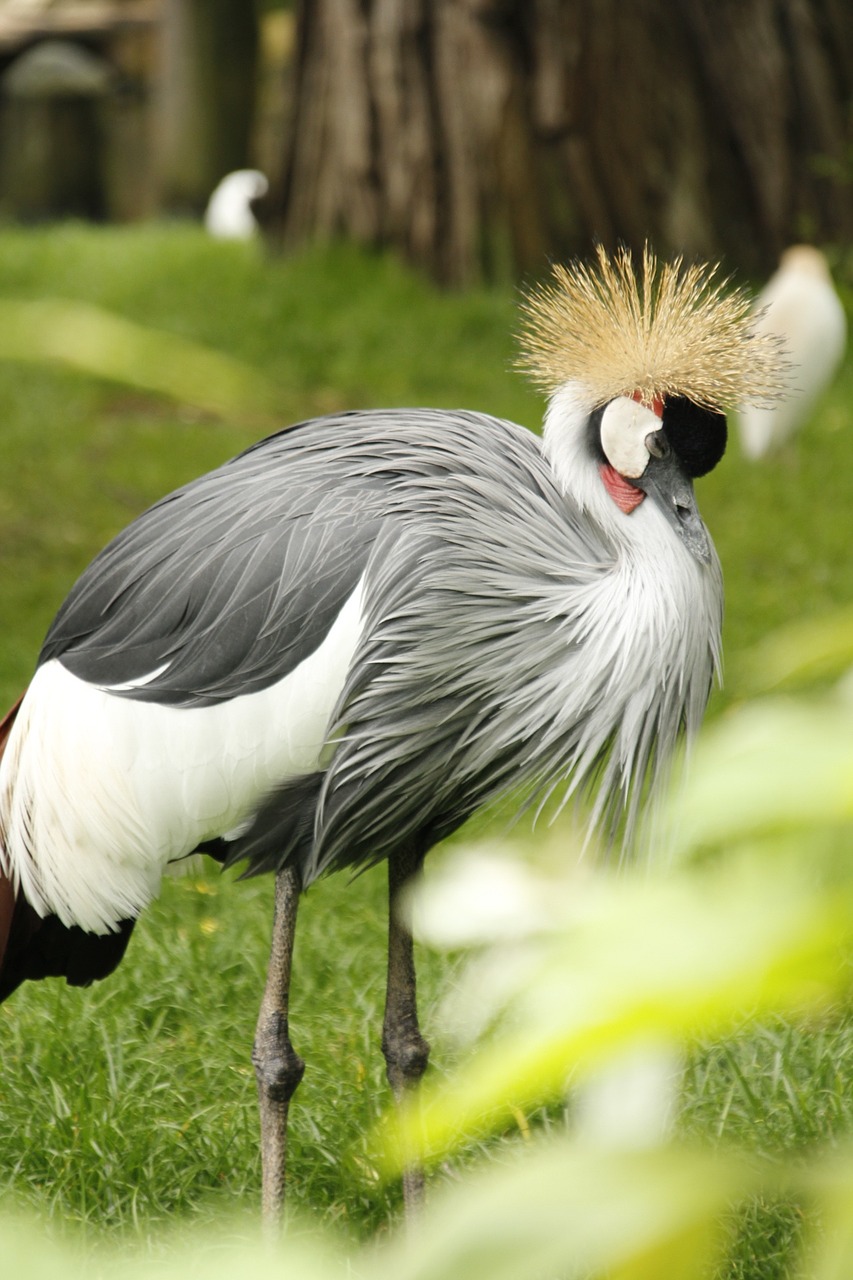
[
  {"x": 663, "y": 587},
  {"x": 577, "y": 473},
  {"x": 637, "y": 531},
  {"x": 649, "y": 622}
]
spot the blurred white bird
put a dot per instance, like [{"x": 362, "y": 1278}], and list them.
[
  {"x": 229, "y": 213},
  {"x": 799, "y": 303}
]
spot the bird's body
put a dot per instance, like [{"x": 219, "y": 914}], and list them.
[
  {"x": 800, "y": 307},
  {"x": 229, "y": 214},
  {"x": 334, "y": 648},
  {"x": 345, "y": 579}
]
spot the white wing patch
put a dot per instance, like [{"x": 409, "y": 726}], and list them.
[
  {"x": 98, "y": 793},
  {"x": 139, "y": 683}
]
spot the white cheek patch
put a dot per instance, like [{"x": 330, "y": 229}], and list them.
[{"x": 625, "y": 424}]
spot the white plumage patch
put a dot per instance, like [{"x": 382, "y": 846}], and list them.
[
  {"x": 139, "y": 683},
  {"x": 98, "y": 793}
]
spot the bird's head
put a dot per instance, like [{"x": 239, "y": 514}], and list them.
[{"x": 640, "y": 368}]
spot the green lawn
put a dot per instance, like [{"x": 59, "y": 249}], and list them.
[{"x": 132, "y": 1104}]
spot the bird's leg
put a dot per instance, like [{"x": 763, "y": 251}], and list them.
[
  {"x": 7, "y": 910},
  {"x": 277, "y": 1066},
  {"x": 406, "y": 1052}
]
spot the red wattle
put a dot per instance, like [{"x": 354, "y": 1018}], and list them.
[{"x": 626, "y": 496}]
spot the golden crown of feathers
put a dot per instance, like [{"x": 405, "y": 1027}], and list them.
[{"x": 669, "y": 330}]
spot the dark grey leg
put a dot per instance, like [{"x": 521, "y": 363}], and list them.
[
  {"x": 277, "y": 1067},
  {"x": 406, "y": 1052},
  {"x": 7, "y": 910}
]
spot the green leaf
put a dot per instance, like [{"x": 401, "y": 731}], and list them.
[
  {"x": 799, "y": 653},
  {"x": 566, "y": 1209},
  {"x": 643, "y": 960},
  {"x": 769, "y": 767}
]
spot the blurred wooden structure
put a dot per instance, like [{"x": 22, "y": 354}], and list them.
[
  {"x": 76, "y": 109},
  {"x": 168, "y": 113}
]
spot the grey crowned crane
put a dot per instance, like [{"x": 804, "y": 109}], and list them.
[{"x": 333, "y": 649}]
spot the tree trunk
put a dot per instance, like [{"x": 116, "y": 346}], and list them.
[
  {"x": 480, "y": 136},
  {"x": 207, "y": 97}
]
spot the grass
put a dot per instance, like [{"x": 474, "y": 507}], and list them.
[
  {"x": 143, "y": 1109},
  {"x": 779, "y": 1093},
  {"x": 132, "y": 1104}
]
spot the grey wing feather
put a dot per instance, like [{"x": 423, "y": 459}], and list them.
[{"x": 227, "y": 584}]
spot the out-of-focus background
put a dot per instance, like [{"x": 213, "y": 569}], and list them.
[
  {"x": 476, "y": 136},
  {"x": 394, "y": 171}
]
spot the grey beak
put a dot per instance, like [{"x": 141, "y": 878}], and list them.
[{"x": 666, "y": 484}]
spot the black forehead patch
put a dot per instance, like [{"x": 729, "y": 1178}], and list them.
[{"x": 697, "y": 435}]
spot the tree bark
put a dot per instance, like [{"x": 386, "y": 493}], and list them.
[
  {"x": 207, "y": 97},
  {"x": 480, "y": 136}
]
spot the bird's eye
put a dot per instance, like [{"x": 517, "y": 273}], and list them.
[{"x": 657, "y": 444}]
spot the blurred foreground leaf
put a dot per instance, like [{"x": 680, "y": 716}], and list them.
[
  {"x": 637, "y": 960},
  {"x": 800, "y": 653},
  {"x": 780, "y": 767},
  {"x": 218, "y": 1254},
  {"x": 563, "y": 1209},
  {"x": 560, "y": 1209},
  {"x": 95, "y": 341}
]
